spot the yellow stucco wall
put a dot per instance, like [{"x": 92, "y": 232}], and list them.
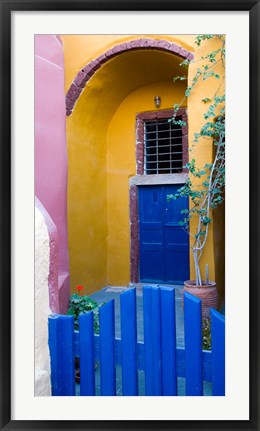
[
  {"x": 101, "y": 150},
  {"x": 87, "y": 200}
]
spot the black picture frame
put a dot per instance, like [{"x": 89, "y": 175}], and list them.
[{"x": 5, "y": 214}]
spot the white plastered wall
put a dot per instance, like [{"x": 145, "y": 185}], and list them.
[{"x": 42, "y": 265}]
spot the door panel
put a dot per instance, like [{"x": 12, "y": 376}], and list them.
[
  {"x": 164, "y": 246},
  {"x": 173, "y": 208},
  {"x": 151, "y": 235}
]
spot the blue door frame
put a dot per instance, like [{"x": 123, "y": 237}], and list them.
[{"x": 164, "y": 245}]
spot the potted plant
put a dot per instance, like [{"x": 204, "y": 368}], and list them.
[
  {"x": 205, "y": 185},
  {"x": 206, "y": 333},
  {"x": 78, "y": 305},
  {"x": 81, "y": 304}
]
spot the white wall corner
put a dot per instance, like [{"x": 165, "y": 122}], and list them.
[{"x": 42, "y": 264}]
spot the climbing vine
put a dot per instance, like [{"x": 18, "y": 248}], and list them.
[{"x": 205, "y": 185}]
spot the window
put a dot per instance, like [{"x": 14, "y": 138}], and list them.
[{"x": 163, "y": 147}]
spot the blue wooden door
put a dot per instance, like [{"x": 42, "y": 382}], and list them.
[{"x": 164, "y": 245}]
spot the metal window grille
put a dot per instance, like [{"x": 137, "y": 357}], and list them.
[{"x": 162, "y": 147}]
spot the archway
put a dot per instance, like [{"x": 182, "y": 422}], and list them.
[
  {"x": 102, "y": 153},
  {"x": 84, "y": 75}
]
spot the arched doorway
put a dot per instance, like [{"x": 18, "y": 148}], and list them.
[{"x": 102, "y": 152}]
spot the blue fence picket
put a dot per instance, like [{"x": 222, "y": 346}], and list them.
[
  {"x": 168, "y": 329},
  {"x": 61, "y": 345},
  {"x": 148, "y": 340},
  {"x": 107, "y": 352},
  {"x": 156, "y": 327},
  {"x": 86, "y": 354},
  {"x": 193, "y": 344},
  {"x": 128, "y": 341},
  {"x": 218, "y": 353},
  {"x": 152, "y": 340}
]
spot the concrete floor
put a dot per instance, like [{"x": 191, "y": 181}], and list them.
[{"x": 111, "y": 292}]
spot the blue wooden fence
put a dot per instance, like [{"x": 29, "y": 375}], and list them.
[{"x": 157, "y": 357}]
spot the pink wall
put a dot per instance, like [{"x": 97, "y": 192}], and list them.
[{"x": 50, "y": 147}]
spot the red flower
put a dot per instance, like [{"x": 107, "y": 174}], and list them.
[{"x": 79, "y": 288}]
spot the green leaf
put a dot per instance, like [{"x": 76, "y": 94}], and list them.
[
  {"x": 206, "y": 220},
  {"x": 180, "y": 123},
  {"x": 206, "y": 100}
]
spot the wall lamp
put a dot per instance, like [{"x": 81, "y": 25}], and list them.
[{"x": 157, "y": 102}]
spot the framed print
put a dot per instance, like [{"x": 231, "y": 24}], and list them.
[{"x": 129, "y": 254}]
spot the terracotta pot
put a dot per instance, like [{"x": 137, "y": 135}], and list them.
[{"x": 207, "y": 293}]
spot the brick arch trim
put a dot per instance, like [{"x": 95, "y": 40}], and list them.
[{"x": 91, "y": 68}]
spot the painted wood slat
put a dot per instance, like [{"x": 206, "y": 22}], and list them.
[
  {"x": 86, "y": 346},
  {"x": 156, "y": 328},
  {"x": 193, "y": 344},
  {"x": 61, "y": 344},
  {"x": 218, "y": 353},
  {"x": 129, "y": 342},
  {"x": 168, "y": 328},
  {"x": 152, "y": 340},
  {"x": 107, "y": 353},
  {"x": 180, "y": 356},
  {"x": 148, "y": 340}
]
